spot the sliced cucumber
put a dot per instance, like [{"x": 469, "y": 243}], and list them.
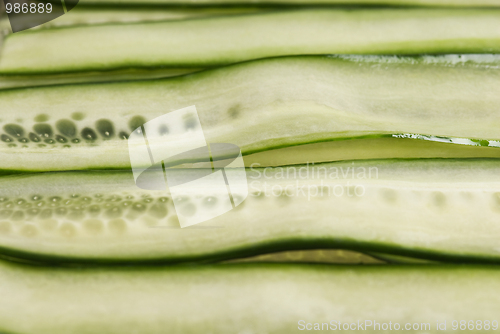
[
  {"x": 90, "y": 15},
  {"x": 367, "y": 148},
  {"x": 222, "y": 40},
  {"x": 244, "y": 298},
  {"x": 436, "y": 209},
  {"x": 87, "y": 15},
  {"x": 264, "y": 105}
]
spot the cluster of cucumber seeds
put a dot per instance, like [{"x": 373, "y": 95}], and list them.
[
  {"x": 65, "y": 131},
  {"x": 115, "y": 212},
  {"x": 92, "y": 213}
]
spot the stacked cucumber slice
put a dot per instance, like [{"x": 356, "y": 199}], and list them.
[
  {"x": 351, "y": 107},
  {"x": 422, "y": 208},
  {"x": 257, "y": 298},
  {"x": 370, "y": 135}
]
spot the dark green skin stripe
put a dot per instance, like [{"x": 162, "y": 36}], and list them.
[
  {"x": 223, "y": 299},
  {"x": 390, "y": 253},
  {"x": 10, "y": 81}
]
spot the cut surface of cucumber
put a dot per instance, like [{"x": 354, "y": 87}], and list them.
[
  {"x": 263, "y": 105},
  {"x": 260, "y": 298},
  {"x": 436, "y": 209},
  {"x": 216, "y": 41}
]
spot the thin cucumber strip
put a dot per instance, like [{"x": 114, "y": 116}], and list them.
[
  {"x": 90, "y": 15},
  {"x": 85, "y": 15},
  {"x": 447, "y": 3},
  {"x": 81, "y": 15},
  {"x": 263, "y": 105},
  {"x": 366, "y": 149},
  {"x": 216, "y": 41},
  {"x": 255, "y": 298},
  {"x": 19, "y": 81},
  {"x": 432, "y": 209}
]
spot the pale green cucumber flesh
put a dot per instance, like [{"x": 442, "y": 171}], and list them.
[
  {"x": 436, "y": 209},
  {"x": 86, "y": 15},
  {"x": 214, "y": 41},
  {"x": 234, "y": 298},
  {"x": 398, "y": 259},
  {"x": 91, "y": 15},
  {"x": 259, "y": 106}
]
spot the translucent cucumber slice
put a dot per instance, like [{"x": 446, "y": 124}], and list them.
[
  {"x": 89, "y": 15},
  {"x": 222, "y": 40},
  {"x": 273, "y": 298},
  {"x": 366, "y": 149},
  {"x": 268, "y": 104},
  {"x": 96, "y": 15},
  {"x": 433, "y": 209}
]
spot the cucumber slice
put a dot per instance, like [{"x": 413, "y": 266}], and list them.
[
  {"x": 222, "y": 40},
  {"x": 90, "y": 15},
  {"x": 435, "y": 209},
  {"x": 85, "y": 15},
  {"x": 242, "y": 298},
  {"x": 262, "y": 105},
  {"x": 366, "y": 149}
]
